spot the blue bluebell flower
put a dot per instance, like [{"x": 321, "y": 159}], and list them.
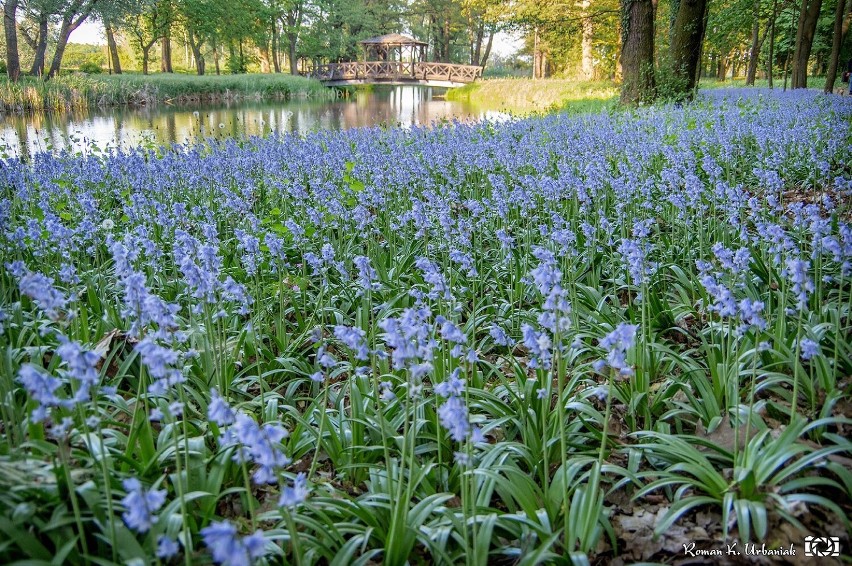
[
  {"x": 499, "y": 336},
  {"x": 367, "y": 278},
  {"x": 166, "y": 547},
  {"x": 539, "y": 346},
  {"x": 432, "y": 275},
  {"x": 141, "y": 505},
  {"x": 810, "y": 349},
  {"x": 41, "y": 387},
  {"x": 724, "y": 302},
  {"x": 797, "y": 271},
  {"x": 355, "y": 339},
  {"x": 751, "y": 314},
  {"x": 453, "y": 386},
  {"x": 453, "y": 416},
  {"x": 297, "y": 494},
  {"x": 228, "y": 548},
  {"x": 40, "y": 289},
  {"x": 617, "y": 343},
  {"x": 219, "y": 411},
  {"x": 258, "y": 445}
]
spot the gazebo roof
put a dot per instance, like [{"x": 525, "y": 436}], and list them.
[{"x": 392, "y": 39}]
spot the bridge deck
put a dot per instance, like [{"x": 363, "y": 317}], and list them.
[{"x": 396, "y": 73}]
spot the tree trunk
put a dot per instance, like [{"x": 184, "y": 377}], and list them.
[
  {"x": 37, "y": 69},
  {"x": 145, "y": 51},
  {"x": 536, "y": 55},
  {"x": 476, "y": 48},
  {"x": 276, "y": 62},
  {"x": 446, "y": 39},
  {"x": 28, "y": 39},
  {"x": 13, "y": 62},
  {"x": 804, "y": 42},
  {"x": 722, "y": 68},
  {"x": 771, "y": 62},
  {"x": 836, "y": 44},
  {"x": 69, "y": 24},
  {"x": 113, "y": 50},
  {"x": 55, "y": 65},
  {"x": 755, "y": 44},
  {"x": 484, "y": 60},
  {"x": 291, "y": 53},
  {"x": 436, "y": 35},
  {"x": 264, "y": 58},
  {"x": 687, "y": 37},
  {"x": 166, "y": 51},
  {"x": 820, "y": 64},
  {"x": 587, "y": 63},
  {"x": 637, "y": 51},
  {"x": 196, "y": 52},
  {"x": 701, "y": 45}
]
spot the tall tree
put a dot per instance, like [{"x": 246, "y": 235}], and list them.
[
  {"x": 574, "y": 38},
  {"x": 166, "y": 39},
  {"x": 836, "y": 43},
  {"x": 805, "y": 31},
  {"x": 146, "y": 28},
  {"x": 112, "y": 13},
  {"x": 689, "y": 24},
  {"x": 75, "y": 13},
  {"x": 757, "y": 40},
  {"x": 294, "y": 13},
  {"x": 587, "y": 63},
  {"x": 198, "y": 18},
  {"x": 112, "y": 47},
  {"x": 771, "y": 59},
  {"x": 13, "y": 62},
  {"x": 637, "y": 51},
  {"x": 38, "y": 12}
]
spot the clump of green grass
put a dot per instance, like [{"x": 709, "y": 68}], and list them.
[
  {"x": 74, "y": 92},
  {"x": 778, "y": 82},
  {"x": 526, "y": 96}
]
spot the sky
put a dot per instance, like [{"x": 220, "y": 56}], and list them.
[{"x": 93, "y": 33}]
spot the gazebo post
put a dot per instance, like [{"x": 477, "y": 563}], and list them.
[{"x": 397, "y": 50}]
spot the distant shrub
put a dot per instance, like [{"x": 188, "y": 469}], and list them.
[{"x": 91, "y": 68}]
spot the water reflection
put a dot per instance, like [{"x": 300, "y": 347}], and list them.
[{"x": 122, "y": 128}]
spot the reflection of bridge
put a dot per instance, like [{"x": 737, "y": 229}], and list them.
[
  {"x": 395, "y": 59},
  {"x": 396, "y": 73}
]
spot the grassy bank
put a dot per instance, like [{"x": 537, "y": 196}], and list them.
[
  {"x": 813, "y": 83},
  {"x": 525, "y": 96},
  {"x": 81, "y": 91}
]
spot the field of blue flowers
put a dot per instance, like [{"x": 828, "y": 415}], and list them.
[{"x": 556, "y": 340}]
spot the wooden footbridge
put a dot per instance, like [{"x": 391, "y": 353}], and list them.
[{"x": 395, "y": 59}]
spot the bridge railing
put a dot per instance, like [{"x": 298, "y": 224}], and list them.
[{"x": 397, "y": 70}]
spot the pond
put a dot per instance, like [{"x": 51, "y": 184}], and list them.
[{"x": 102, "y": 129}]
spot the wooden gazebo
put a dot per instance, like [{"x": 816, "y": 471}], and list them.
[
  {"x": 395, "y": 59},
  {"x": 394, "y": 47}
]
